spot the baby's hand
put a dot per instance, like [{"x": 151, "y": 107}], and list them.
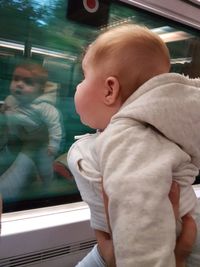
[
  {"x": 108, "y": 253},
  {"x": 187, "y": 237},
  {"x": 186, "y": 240},
  {"x": 105, "y": 247},
  {"x": 51, "y": 151}
]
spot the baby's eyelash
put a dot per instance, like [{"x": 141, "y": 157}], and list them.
[{"x": 82, "y": 73}]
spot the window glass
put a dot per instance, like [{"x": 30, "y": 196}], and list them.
[{"x": 41, "y": 46}]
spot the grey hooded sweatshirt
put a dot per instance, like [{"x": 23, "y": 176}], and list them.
[{"x": 152, "y": 140}]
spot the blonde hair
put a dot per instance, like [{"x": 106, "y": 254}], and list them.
[{"x": 132, "y": 53}]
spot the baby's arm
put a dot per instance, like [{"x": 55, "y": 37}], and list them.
[
  {"x": 185, "y": 241},
  {"x": 187, "y": 237},
  {"x": 105, "y": 246},
  {"x": 52, "y": 118},
  {"x": 104, "y": 240}
]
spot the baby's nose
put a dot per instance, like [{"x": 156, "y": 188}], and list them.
[{"x": 20, "y": 84}]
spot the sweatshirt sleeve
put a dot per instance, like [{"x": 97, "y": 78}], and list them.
[
  {"x": 52, "y": 118},
  {"x": 136, "y": 164}
]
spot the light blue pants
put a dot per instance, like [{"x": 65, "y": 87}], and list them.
[
  {"x": 16, "y": 176},
  {"x": 92, "y": 259}
]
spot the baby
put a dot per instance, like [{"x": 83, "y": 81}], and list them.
[
  {"x": 148, "y": 122},
  {"x": 33, "y": 122}
]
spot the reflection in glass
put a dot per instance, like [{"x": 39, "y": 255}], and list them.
[{"x": 33, "y": 129}]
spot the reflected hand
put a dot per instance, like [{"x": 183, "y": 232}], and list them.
[{"x": 51, "y": 151}]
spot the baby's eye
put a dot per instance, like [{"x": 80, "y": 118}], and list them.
[
  {"x": 16, "y": 78},
  {"x": 29, "y": 81}
]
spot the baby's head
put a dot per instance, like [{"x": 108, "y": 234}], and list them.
[
  {"x": 121, "y": 60},
  {"x": 132, "y": 53},
  {"x": 28, "y": 81}
]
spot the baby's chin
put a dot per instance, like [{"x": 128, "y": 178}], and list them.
[
  {"x": 86, "y": 123},
  {"x": 23, "y": 99},
  {"x": 18, "y": 93}
]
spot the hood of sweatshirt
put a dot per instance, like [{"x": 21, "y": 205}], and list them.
[
  {"x": 49, "y": 95},
  {"x": 171, "y": 104}
]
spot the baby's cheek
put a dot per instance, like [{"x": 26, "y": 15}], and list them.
[{"x": 12, "y": 86}]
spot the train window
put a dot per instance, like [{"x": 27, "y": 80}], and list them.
[{"x": 41, "y": 45}]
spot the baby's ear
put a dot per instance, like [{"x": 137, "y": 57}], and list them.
[{"x": 111, "y": 91}]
